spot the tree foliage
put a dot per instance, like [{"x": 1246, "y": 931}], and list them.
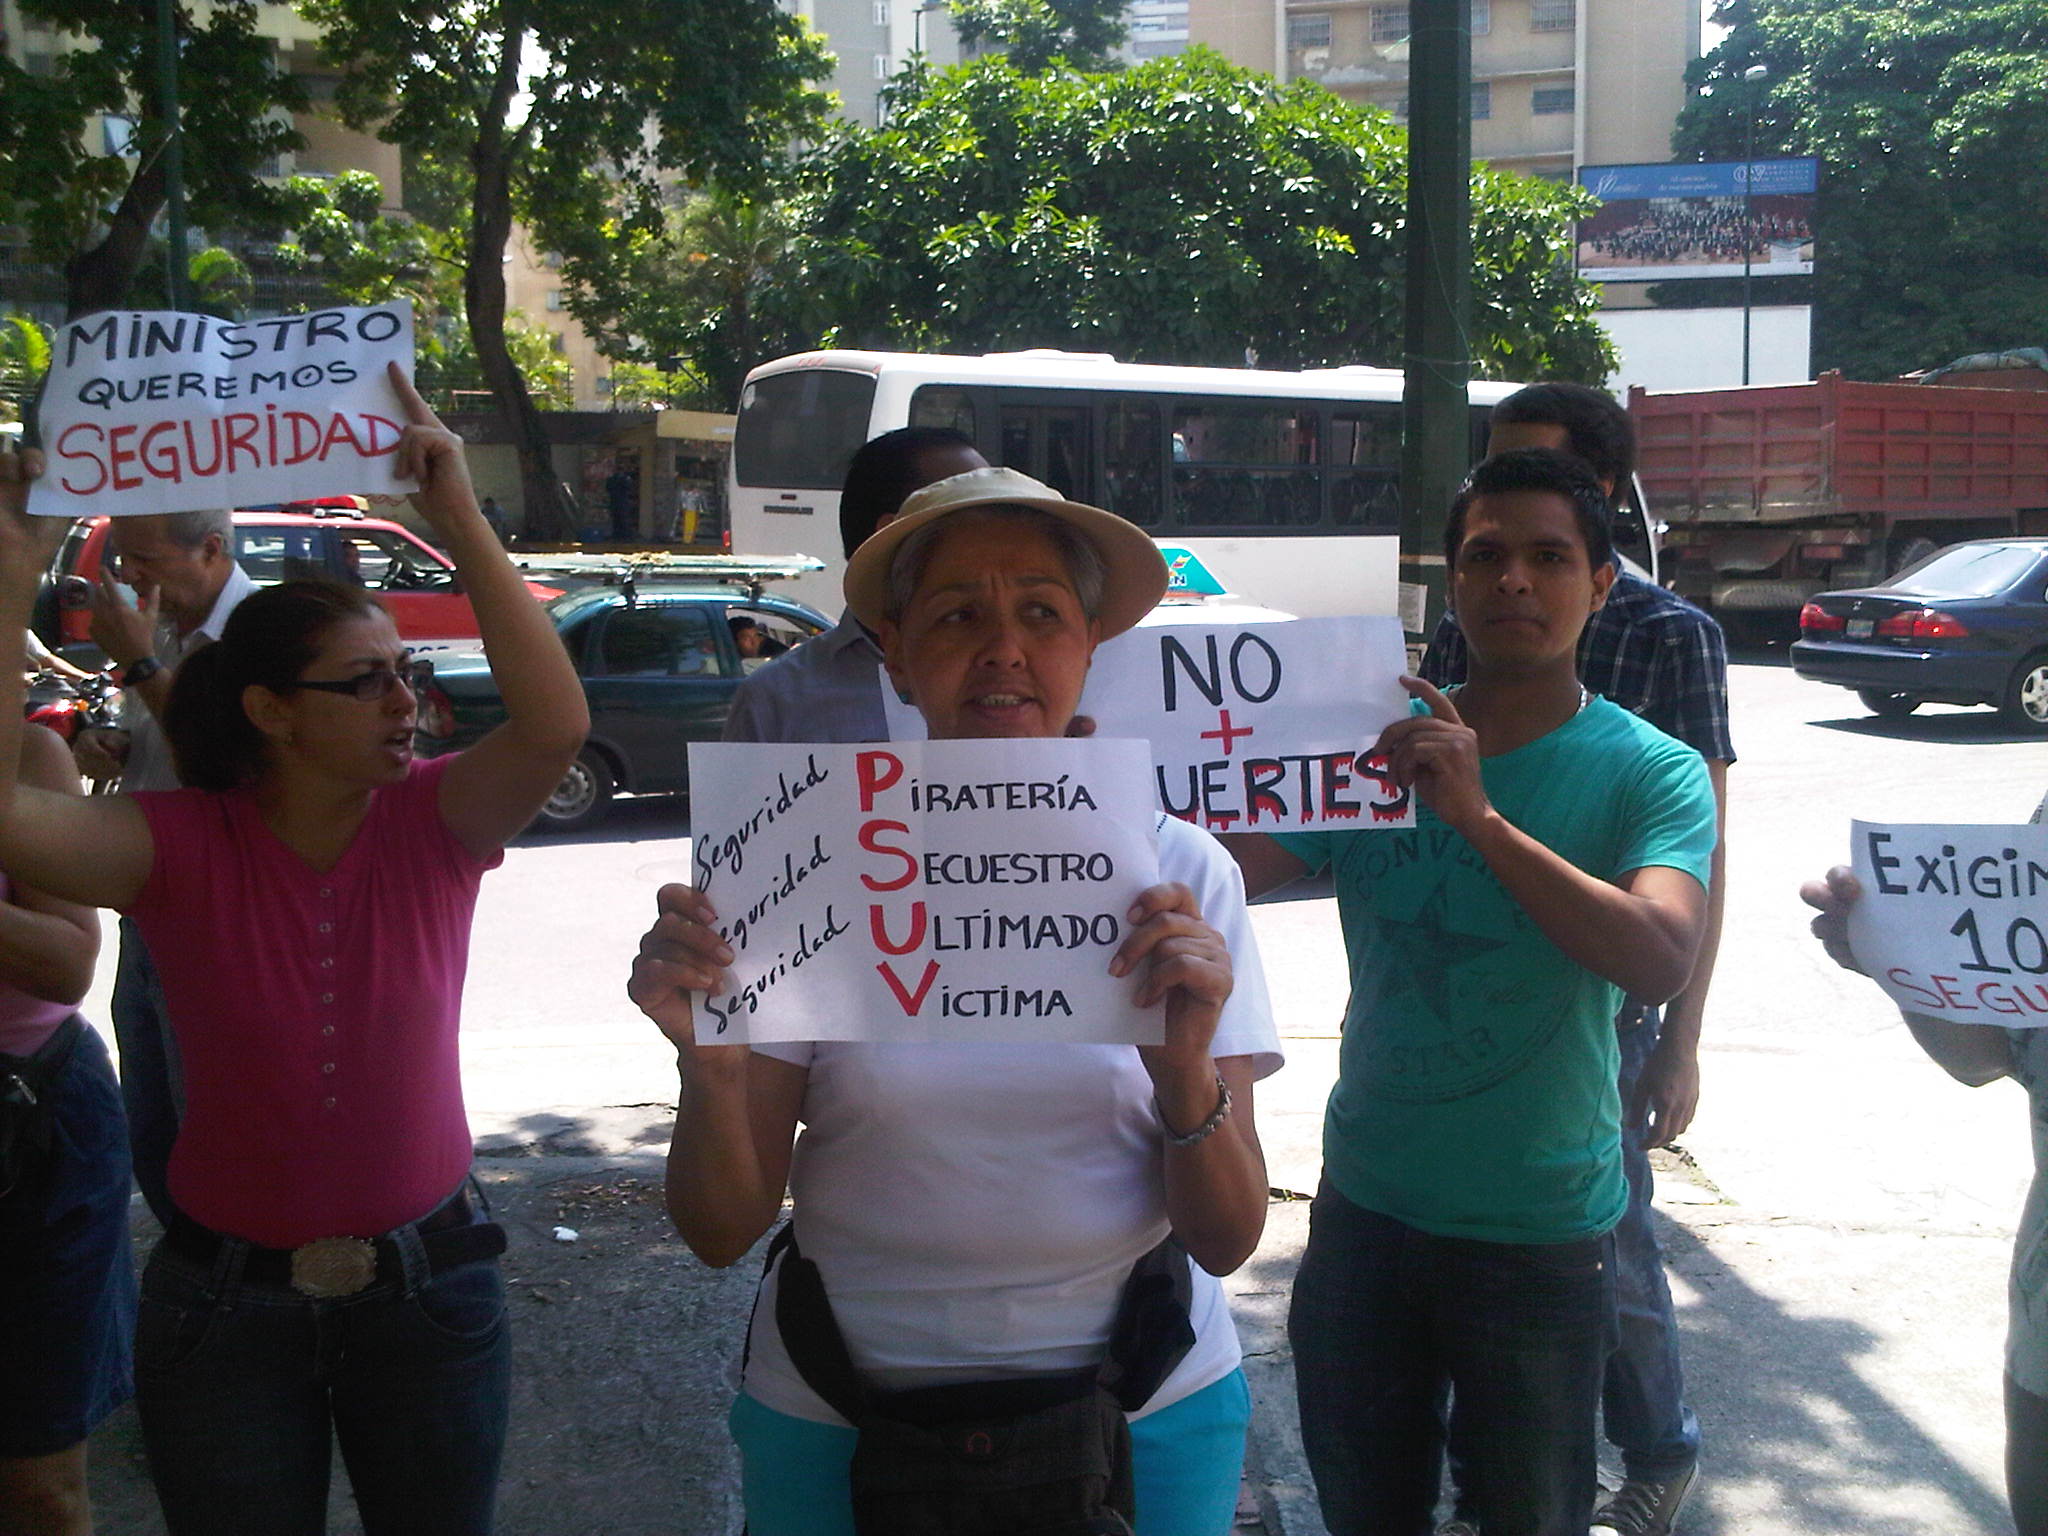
[
  {"x": 578, "y": 115},
  {"x": 1179, "y": 211},
  {"x": 1032, "y": 33},
  {"x": 89, "y": 211},
  {"x": 1930, "y": 119},
  {"x": 24, "y": 359}
]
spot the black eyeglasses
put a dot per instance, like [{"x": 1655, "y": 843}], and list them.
[{"x": 378, "y": 682}]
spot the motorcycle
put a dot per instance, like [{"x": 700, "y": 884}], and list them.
[{"x": 68, "y": 707}]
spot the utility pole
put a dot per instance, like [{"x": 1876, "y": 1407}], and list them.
[
  {"x": 1752, "y": 77},
  {"x": 176, "y": 274},
  {"x": 1436, "y": 434}
]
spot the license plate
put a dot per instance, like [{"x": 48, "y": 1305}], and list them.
[{"x": 1862, "y": 629}]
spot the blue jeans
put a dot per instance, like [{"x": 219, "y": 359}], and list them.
[
  {"x": 1387, "y": 1321},
  {"x": 1644, "y": 1398},
  {"x": 67, "y": 1285},
  {"x": 243, "y": 1388},
  {"x": 151, "y": 1086},
  {"x": 1186, "y": 1461}
]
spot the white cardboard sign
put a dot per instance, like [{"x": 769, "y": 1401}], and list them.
[
  {"x": 159, "y": 411},
  {"x": 1254, "y": 727},
  {"x": 924, "y": 891},
  {"x": 1953, "y": 922}
]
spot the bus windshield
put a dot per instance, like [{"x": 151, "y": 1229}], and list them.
[{"x": 801, "y": 429}]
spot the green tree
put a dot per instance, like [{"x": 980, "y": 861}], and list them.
[
  {"x": 91, "y": 212},
  {"x": 1179, "y": 211},
  {"x": 1032, "y": 33},
  {"x": 1930, "y": 119},
  {"x": 683, "y": 296},
  {"x": 574, "y": 114},
  {"x": 24, "y": 359}
]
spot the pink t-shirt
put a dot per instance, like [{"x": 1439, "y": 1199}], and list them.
[
  {"x": 26, "y": 1022},
  {"x": 315, "y": 1013}
]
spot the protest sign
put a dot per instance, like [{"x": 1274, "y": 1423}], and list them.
[
  {"x": 924, "y": 891},
  {"x": 1254, "y": 727},
  {"x": 157, "y": 411},
  {"x": 1953, "y": 922}
]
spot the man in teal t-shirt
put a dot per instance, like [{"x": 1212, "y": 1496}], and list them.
[{"x": 1472, "y": 1150}]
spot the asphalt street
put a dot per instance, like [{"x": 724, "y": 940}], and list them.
[{"x": 1839, "y": 1217}]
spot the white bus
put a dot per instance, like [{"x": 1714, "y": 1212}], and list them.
[{"x": 1286, "y": 486}]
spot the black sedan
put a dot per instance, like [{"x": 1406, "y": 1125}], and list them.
[
  {"x": 1966, "y": 625},
  {"x": 660, "y": 664}
]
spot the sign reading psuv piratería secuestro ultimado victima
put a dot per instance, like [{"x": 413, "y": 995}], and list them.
[
  {"x": 155, "y": 411},
  {"x": 1953, "y": 921},
  {"x": 922, "y": 891}
]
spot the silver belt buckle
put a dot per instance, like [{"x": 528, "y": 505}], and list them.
[{"x": 330, "y": 1267}]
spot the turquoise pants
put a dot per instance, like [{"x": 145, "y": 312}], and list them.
[{"x": 1185, "y": 1460}]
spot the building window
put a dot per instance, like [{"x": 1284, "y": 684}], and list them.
[
  {"x": 1308, "y": 31},
  {"x": 1553, "y": 15},
  {"x": 881, "y": 66},
  {"x": 881, "y": 13},
  {"x": 1550, "y": 100},
  {"x": 555, "y": 299},
  {"x": 1482, "y": 17},
  {"x": 1482, "y": 101},
  {"x": 1389, "y": 23},
  {"x": 118, "y": 135}
]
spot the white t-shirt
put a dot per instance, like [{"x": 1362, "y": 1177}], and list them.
[{"x": 975, "y": 1209}]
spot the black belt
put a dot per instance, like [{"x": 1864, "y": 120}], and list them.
[{"x": 343, "y": 1266}]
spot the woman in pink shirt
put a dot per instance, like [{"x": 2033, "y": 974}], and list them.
[{"x": 308, "y": 899}]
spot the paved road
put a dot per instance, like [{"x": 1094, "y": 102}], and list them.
[{"x": 1843, "y": 1213}]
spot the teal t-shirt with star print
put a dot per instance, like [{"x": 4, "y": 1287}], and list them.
[{"x": 1476, "y": 1089}]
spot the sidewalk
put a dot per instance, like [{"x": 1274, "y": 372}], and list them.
[{"x": 1845, "y": 1371}]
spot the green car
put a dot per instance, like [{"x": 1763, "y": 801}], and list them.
[{"x": 660, "y": 662}]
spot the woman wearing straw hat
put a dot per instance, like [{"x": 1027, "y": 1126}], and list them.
[{"x": 977, "y": 1212}]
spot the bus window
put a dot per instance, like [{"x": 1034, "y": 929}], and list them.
[
  {"x": 1130, "y": 462},
  {"x": 1049, "y": 442},
  {"x": 936, "y": 405},
  {"x": 800, "y": 430},
  {"x": 1365, "y": 468},
  {"x": 1244, "y": 466}
]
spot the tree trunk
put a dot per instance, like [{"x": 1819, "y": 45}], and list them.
[
  {"x": 550, "y": 516},
  {"x": 100, "y": 276}
]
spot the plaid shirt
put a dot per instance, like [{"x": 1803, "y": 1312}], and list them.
[{"x": 1648, "y": 650}]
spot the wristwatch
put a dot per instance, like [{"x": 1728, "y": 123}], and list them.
[{"x": 140, "y": 670}]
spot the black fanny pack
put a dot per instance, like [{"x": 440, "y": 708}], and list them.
[
  {"x": 28, "y": 1104},
  {"x": 1029, "y": 1456}
]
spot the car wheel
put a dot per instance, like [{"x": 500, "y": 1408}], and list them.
[
  {"x": 582, "y": 797},
  {"x": 2026, "y": 694},
  {"x": 1888, "y": 706}
]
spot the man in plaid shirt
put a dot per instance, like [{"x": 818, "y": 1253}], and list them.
[{"x": 1659, "y": 657}]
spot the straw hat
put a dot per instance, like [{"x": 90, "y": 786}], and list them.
[{"x": 1135, "y": 573}]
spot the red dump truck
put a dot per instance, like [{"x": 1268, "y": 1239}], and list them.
[{"x": 1774, "y": 492}]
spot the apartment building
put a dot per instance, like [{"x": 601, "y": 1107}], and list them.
[
  {"x": 871, "y": 40},
  {"x": 1556, "y": 84}
]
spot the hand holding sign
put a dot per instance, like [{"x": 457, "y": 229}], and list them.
[
  {"x": 431, "y": 454},
  {"x": 1832, "y": 896},
  {"x": 1437, "y": 756},
  {"x": 27, "y": 544},
  {"x": 1188, "y": 969},
  {"x": 682, "y": 953}
]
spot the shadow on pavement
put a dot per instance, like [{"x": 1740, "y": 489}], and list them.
[
  {"x": 629, "y": 819},
  {"x": 1959, "y": 727},
  {"x": 625, "y": 1352}
]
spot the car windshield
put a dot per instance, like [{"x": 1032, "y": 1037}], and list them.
[{"x": 1968, "y": 570}]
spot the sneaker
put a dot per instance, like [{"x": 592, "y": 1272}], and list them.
[{"x": 1645, "y": 1509}]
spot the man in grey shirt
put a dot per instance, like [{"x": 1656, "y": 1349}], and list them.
[
  {"x": 830, "y": 688},
  {"x": 182, "y": 568}
]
